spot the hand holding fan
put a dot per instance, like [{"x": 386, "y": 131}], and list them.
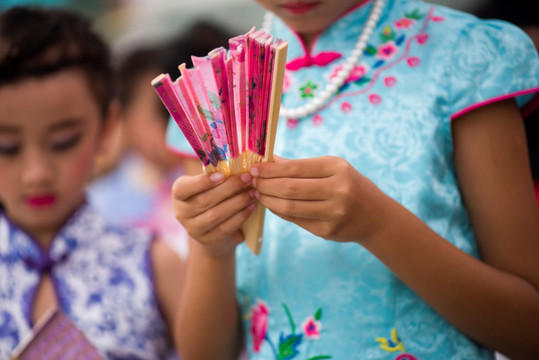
[{"x": 227, "y": 107}]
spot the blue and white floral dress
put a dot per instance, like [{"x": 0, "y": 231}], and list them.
[
  {"x": 307, "y": 298},
  {"x": 102, "y": 278}
]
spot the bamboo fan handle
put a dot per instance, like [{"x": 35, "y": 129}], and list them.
[{"x": 253, "y": 227}]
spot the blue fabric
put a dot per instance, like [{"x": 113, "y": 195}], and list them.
[
  {"x": 392, "y": 121},
  {"x": 103, "y": 281}
]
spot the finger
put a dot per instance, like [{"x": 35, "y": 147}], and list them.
[
  {"x": 319, "y": 167},
  {"x": 232, "y": 225},
  {"x": 319, "y": 228},
  {"x": 293, "y": 188},
  {"x": 187, "y": 186},
  {"x": 201, "y": 202},
  {"x": 215, "y": 216},
  {"x": 296, "y": 208}
]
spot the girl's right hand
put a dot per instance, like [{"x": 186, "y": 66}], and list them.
[{"x": 212, "y": 209}]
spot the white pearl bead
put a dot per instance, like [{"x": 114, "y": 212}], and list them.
[
  {"x": 363, "y": 39},
  {"x": 356, "y": 53},
  {"x": 333, "y": 88},
  {"x": 310, "y": 108},
  {"x": 317, "y": 102},
  {"x": 325, "y": 95},
  {"x": 339, "y": 79},
  {"x": 348, "y": 67}
]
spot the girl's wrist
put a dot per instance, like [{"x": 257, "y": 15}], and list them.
[{"x": 213, "y": 253}]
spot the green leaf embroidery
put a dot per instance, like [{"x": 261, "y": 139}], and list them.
[
  {"x": 290, "y": 320},
  {"x": 363, "y": 80},
  {"x": 416, "y": 15},
  {"x": 318, "y": 314},
  {"x": 371, "y": 50},
  {"x": 288, "y": 346}
]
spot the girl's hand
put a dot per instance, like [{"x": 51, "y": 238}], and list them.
[
  {"x": 323, "y": 195},
  {"x": 212, "y": 209}
]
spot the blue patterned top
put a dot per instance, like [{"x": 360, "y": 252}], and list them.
[
  {"x": 102, "y": 278},
  {"x": 304, "y": 297}
]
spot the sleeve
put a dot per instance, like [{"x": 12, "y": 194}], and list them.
[
  {"x": 177, "y": 142},
  {"x": 493, "y": 60}
]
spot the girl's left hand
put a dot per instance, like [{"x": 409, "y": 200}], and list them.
[{"x": 324, "y": 195}]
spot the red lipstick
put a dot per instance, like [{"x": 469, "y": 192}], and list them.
[
  {"x": 298, "y": 8},
  {"x": 41, "y": 201}
]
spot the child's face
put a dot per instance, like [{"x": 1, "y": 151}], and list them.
[
  {"x": 308, "y": 17},
  {"x": 50, "y": 131}
]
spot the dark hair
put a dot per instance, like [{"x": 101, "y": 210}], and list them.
[
  {"x": 37, "y": 42},
  {"x": 198, "y": 39}
]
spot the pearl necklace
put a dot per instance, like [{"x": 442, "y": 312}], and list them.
[{"x": 338, "y": 80}]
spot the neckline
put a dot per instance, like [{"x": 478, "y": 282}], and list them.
[
  {"x": 44, "y": 251},
  {"x": 357, "y": 12}
]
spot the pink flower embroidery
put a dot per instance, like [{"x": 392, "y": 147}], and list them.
[
  {"x": 346, "y": 107},
  {"x": 259, "y": 324},
  {"x": 413, "y": 61},
  {"x": 292, "y": 123},
  {"x": 387, "y": 50},
  {"x": 375, "y": 99},
  {"x": 357, "y": 72},
  {"x": 422, "y": 39},
  {"x": 311, "y": 328},
  {"x": 317, "y": 120},
  {"x": 404, "y": 23},
  {"x": 437, "y": 18},
  {"x": 405, "y": 357},
  {"x": 390, "y": 81}
]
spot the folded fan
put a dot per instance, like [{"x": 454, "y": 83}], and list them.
[{"x": 227, "y": 107}]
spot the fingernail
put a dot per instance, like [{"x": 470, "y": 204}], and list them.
[
  {"x": 257, "y": 194},
  {"x": 217, "y": 176},
  {"x": 246, "y": 178},
  {"x": 251, "y": 207},
  {"x": 254, "y": 182},
  {"x": 254, "y": 171},
  {"x": 252, "y": 193}
]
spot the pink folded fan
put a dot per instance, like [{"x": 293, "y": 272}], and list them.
[{"x": 227, "y": 106}]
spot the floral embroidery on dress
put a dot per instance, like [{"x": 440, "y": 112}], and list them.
[
  {"x": 288, "y": 345},
  {"x": 393, "y": 344},
  {"x": 392, "y": 49},
  {"x": 307, "y": 90}
]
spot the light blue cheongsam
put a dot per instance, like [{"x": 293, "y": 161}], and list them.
[{"x": 307, "y": 298}]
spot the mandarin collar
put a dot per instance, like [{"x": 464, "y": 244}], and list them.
[
  {"x": 21, "y": 245},
  {"x": 339, "y": 36}
]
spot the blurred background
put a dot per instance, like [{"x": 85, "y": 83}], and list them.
[{"x": 129, "y": 23}]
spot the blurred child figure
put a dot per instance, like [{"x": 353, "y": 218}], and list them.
[
  {"x": 403, "y": 223},
  {"x": 119, "y": 286},
  {"x": 135, "y": 182}
]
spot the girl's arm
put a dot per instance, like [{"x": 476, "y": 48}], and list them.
[
  {"x": 212, "y": 210},
  {"x": 169, "y": 274},
  {"x": 494, "y": 301}
]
